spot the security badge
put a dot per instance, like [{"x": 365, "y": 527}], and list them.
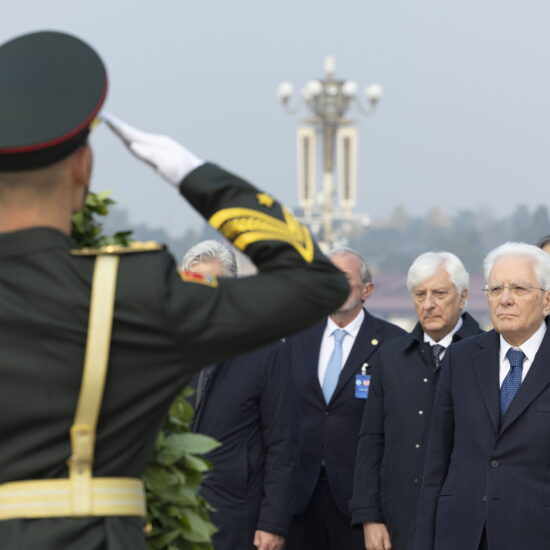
[{"x": 362, "y": 383}]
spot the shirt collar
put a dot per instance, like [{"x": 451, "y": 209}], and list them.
[
  {"x": 529, "y": 347},
  {"x": 351, "y": 328},
  {"x": 447, "y": 340}
]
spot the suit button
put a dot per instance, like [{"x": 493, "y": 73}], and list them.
[
  {"x": 417, "y": 446},
  {"x": 326, "y": 413},
  {"x": 321, "y": 446},
  {"x": 420, "y": 412},
  {"x": 485, "y": 499},
  {"x": 416, "y": 480},
  {"x": 425, "y": 380},
  {"x": 495, "y": 463}
]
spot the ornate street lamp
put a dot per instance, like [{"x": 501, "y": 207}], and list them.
[{"x": 328, "y": 101}]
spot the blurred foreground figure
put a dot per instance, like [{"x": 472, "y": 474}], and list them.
[
  {"x": 331, "y": 372},
  {"x": 82, "y": 403},
  {"x": 486, "y": 476},
  {"x": 392, "y": 442},
  {"x": 246, "y": 404}
]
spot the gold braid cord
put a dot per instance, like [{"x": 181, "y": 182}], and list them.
[{"x": 244, "y": 226}]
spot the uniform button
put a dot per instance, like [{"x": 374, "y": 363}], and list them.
[
  {"x": 485, "y": 498},
  {"x": 417, "y": 446},
  {"x": 425, "y": 380},
  {"x": 320, "y": 446},
  {"x": 416, "y": 480},
  {"x": 495, "y": 463},
  {"x": 420, "y": 412}
]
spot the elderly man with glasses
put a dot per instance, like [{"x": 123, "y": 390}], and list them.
[
  {"x": 397, "y": 413},
  {"x": 487, "y": 475}
]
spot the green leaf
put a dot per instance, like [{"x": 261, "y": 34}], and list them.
[{"x": 191, "y": 443}]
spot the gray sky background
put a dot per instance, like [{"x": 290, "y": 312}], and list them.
[{"x": 464, "y": 120}]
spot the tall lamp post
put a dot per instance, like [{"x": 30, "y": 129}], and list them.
[{"x": 328, "y": 101}]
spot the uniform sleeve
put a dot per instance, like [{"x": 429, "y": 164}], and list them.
[
  {"x": 366, "y": 503},
  {"x": 280, "y": 441},
  {"x": 438, "y": 455},
  {"x": 296, "y": 285}
]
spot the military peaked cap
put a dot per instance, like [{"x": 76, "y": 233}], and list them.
[{"x": 52, "y": 86}]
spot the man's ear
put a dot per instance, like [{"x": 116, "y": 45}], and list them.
[
  {"x": 81, "y": 165},
  {"x": 368, "y": 289},
  {"x": 80, "y": 170}
]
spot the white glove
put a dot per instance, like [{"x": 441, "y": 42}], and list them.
[{"x": 170, "y": 159}]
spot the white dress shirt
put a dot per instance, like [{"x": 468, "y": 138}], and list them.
[
  {"x": 529, "y": 347},
  {"x": 446, "y": 341},
  {"x": 327, "y": 342}
]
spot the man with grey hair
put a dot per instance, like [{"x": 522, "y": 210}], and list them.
[
  {"x": 330, "y": 367},
  {"x": 246, "y": 404},
  {"x": 396, "y": 418},
  {"x": 487, "y": 476}
]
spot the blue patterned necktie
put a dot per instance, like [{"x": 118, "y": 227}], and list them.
[
  {"x": 436, "y": 352},
  {"x": 512, "y": 382},
  {"x": 334, "y": 365}
]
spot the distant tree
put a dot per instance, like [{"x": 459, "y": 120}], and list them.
[{"x": 540, "y": 223}]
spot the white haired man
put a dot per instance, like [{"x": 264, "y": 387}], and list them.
[
  {"x": 396, "y": 418},
  {"x": 246, "y": 404},
  {"x": 487, "y": 480}
]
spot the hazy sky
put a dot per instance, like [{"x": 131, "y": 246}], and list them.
[{"x": 464, "y": 120}]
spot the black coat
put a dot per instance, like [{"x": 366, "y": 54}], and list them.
[
  {"x": 329, "y": 432},
  {"x": 164, "y": 330},
  {"x": 394, "y": 431},
  {"x": 247, "y": 406},
  {"x": 484, "y": 470}
]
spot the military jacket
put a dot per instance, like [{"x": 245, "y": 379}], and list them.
[{"x": 166, "y": 326}]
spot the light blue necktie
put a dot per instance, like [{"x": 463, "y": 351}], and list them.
[
  {"x": 334, "y": 365},
  {"x": 512, "y": 382}
]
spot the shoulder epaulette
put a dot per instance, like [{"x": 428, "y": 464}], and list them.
[{"x": 136, "y": 246}]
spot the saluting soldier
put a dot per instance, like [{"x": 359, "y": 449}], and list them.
[{"x": 96, "y": 344}]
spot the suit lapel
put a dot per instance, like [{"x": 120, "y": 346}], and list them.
[
  {"x": 311, "y": 347},
  {"x": 367, "y": 341},
  {"x": 486, "y": 366},
  {"x": 534, "y": 383}
]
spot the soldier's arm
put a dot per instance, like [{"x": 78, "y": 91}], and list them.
[{"x": 296, "y": 286}]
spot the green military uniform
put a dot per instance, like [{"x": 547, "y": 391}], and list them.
[
  {"x": 164, "y": 329},
  {"x": 165, "y": 325}
]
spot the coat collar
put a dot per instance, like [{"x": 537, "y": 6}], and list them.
[
  {"x": 534, "y": 383},
  {"x": 367, "y": 341},
  {"x": 486, "y": 366},
  {"x": 35, "y": 239},
  {"x": 470, "y": 327}
]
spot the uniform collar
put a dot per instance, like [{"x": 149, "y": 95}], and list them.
[{"x": 35, "y": 239}]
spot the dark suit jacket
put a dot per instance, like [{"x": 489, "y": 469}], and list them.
[
  {"x": 329, "y": 432},
  {"x": 247, "y": 406},
  {"x": 483, "y": 470},
  {"x": 392, "y": 442},
  {"x": 164, "y": 330}
]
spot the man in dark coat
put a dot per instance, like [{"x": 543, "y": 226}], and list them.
[
  {"x": 246, "y": 404},
  {"x": 75, "y": 441},
  {"x": 487, "y": 476},
  {"x": 331, "y": 396},
  {"x": 396, "y": 418}
]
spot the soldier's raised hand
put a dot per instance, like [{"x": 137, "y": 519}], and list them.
[{"x": 170, "y": 159}]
